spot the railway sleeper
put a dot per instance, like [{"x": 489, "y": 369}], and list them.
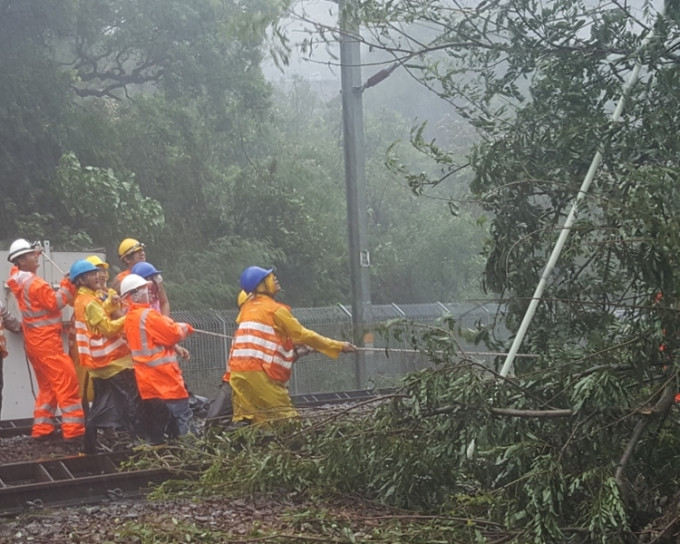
[{"x": 71, "y": 480}]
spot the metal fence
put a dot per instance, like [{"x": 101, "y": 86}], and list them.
[{"x": 390, "y": 360}]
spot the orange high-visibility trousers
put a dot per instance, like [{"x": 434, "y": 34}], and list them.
[{"x": 58, "y": 386}]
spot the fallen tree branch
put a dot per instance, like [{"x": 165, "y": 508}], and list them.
[
  {"x": 663, "y": 404},
  {"x": 510, "y": 412}
]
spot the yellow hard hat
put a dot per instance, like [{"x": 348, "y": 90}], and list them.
[
  {"x": 129, "y": 246},
  {"x": 97, "y": 261},
  {"x": 242, "y": 297}
]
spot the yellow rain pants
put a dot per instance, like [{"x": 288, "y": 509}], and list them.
[{"x": 258, "y": 398}]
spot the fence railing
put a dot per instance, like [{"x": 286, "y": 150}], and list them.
[{"x": 316, "y": 373}]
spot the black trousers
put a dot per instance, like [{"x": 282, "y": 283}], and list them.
[
  {"x": 221, "y": 406},
  {"x": 116, "y": 404},
  {"x": 158, "y": 421}
]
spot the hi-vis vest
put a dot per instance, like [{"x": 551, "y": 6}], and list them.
[
  {"x": 156, "y": 366},
  {"x": 95, "y": 350},
  {"x": 256, "y": 345},
  {"x": 35, "y": 315}
]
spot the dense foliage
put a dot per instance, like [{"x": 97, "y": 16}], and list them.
[
  {"x": 153, "y": 119},
  {"x": 587, "y": 435},
  {"x": 546, "y": 457},
  {"x": 580, "y": 444}
]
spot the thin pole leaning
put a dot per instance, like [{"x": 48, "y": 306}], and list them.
[
  {"x": 44, "y": 254},
  {"x": 566, "y": 228}
]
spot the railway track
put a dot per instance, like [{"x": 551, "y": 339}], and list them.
[
  {"x": 88, "y": 479},
  {"x": 15, "y": 427},
  {"x": 72, "y": 480}
]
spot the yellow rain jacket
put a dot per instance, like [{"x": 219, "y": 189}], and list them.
[{"x": 261, "y": 358}]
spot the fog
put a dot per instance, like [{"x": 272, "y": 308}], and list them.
[{"x": 321, "y": 66}]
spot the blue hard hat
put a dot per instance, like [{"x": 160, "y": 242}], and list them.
[
  {"x": 144, "y": 269},
  {"x": 79, "y": 268},
  {"x": 252, "y": 276}
]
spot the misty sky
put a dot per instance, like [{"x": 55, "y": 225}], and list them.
[{"x": 322, "y": 67}]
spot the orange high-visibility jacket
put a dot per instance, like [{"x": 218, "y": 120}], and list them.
[
  {"x": 118, "y": 278},
  {"x": 100, "y": 340},
  {"x": 40, "y": 305},
  {"x": 257, "y": 346},
  {"x": 152, "y": 337}
]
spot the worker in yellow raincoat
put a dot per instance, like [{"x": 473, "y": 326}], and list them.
[
  {"x": 112, "y": 305},
  {"x": 263, "y": 350},
  {"x": 102, "y": 349},
  {"x": 221, "y": 404}
]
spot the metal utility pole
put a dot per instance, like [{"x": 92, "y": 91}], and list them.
[{"x": 355, "y": 181}]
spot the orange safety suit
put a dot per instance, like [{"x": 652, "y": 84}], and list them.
[
  {"x": 41, "y": 309},
  {"x": 262, "y": 356},
  {"x": 152, "y": 337}
]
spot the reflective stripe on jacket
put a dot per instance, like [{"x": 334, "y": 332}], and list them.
[
  {"x": 256, "y": 344},
  {"x": 152, "y": 338},
  {"x": 97, "y": 350},
  {"x": 40, "y": 305}
]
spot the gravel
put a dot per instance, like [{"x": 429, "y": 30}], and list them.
[
  {"x": 129, "y": 521},
  {"x": 24, "y": 448}
]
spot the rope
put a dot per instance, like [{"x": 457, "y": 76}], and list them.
[
  {"x": 30, "y": 377},
  {"x": 489, "y": 353},
  {"x": 390, "y": 350},
  {"x": 214, "y": 334}
]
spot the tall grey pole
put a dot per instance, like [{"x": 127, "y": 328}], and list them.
[{"x": 355, "y": 181}]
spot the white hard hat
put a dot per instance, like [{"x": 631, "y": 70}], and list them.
[
  {"x": 20, "y": 247},
  {"x": 130, "y": 283}
]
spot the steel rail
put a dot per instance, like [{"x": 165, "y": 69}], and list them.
[{"x": 80, "y": 479}]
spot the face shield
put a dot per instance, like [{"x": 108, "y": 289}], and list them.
[{"x": 140, "y": 295}]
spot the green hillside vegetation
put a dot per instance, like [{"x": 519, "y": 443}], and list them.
[{"x": 153, "y": 120}]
